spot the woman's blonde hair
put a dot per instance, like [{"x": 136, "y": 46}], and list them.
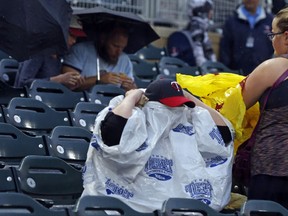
[{"x": 282, "y": 19}]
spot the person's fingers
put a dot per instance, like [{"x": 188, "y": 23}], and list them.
[
  {"x": 135, "y": 93},
  {"x": 115, "y": 74},
  {"x": 80, "y": 80},
  {"x": 115, "y": 79},
  {"x": 128, "y": 84},
  {"x": 74, "y": 73},
  {"x": 106, "y": 78},
  {"x": 143, "y": 100},
  {"x": 124, "y": 84},
  {"x": 72, "y": 82},
  {"x": 70, "y": 73}
]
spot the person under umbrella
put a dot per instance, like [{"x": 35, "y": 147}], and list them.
[
  {"x": 113, "y": 34},
  {"x": 48, "y": 67},
  {"x": 102, "y": 60},
  {"x": 140, "y": 32}
]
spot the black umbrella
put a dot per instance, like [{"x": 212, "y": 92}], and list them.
[
  {"x": 31, "y": 27},
  {"x": 140, "y": 31}
]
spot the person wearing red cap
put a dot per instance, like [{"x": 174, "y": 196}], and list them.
[
  {"x": 167, "y": 92},
  {"x": 158, "y": 143},
  {"x": 49, "y": 67},
  {"x": 75, "y": 31}
]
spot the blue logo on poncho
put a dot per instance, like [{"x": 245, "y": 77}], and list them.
[
  {"x": 215, "y": 161},
  {"x": 94, "y": 143},
  {"x": 188, "y": 130},
  {"x": 142, "y": 147},
  {"x": 83, "y": 170},
  {"x": 159, "y": 167},
  {"x": 215, "y": 134},
  {"x": 200, "y": 189},
  {"x": 114, "y": 188}
]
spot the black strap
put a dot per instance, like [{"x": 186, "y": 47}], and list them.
[{"x": 276, "y": 83}]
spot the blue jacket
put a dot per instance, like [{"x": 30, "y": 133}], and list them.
[
  {"x": 40, "y": 67},
  {"x": 234, "y": 52}
]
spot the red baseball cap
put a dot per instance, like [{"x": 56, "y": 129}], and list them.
[
  {"x": 77, "y": 32},
  {"x": 75, "y": 27},
  {"x": 167, "y": 92}
]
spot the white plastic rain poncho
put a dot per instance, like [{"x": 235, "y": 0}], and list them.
[{"x": 163, "y": 152}]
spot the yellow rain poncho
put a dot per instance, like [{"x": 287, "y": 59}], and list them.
[{"x": 223, "y": 92}]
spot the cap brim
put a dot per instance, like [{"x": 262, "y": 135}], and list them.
[
  {"x": 77, "y": 32},
  {"x": 177, "y": 101}
]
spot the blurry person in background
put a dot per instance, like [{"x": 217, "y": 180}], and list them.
[
  {"x": 244, "y": 43},
  {"x": 197, "y": 48},
  {"x": 277, "y": 5},
  {"x": 49, "y": 67}
]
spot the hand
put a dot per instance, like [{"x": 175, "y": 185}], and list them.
[
  {"x": 110, "y": 78},
  {"x": 127, "y": 83},
  {"x": 132, "y": 98},
  {"x": 136, "y": 96},
  {"x": 143, "y": 100},
  {"x": 72, "y": 80}
]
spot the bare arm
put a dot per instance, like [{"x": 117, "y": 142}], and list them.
[
  {"x": 116, "y": 120},
  {"x": 131, "y": 99},
  {"x": 262, "y": 78}
]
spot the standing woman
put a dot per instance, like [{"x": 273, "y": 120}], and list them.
[{"x": 270, "y": 152}]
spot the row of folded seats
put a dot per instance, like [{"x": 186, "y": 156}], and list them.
[
  {"x": 58, "y": 96},
  {"x": 65, "y": 142},
  {"x": 153, "y": 62},
  {"x": 167, "y": 67},
  {"x": 47, "y": 104},
  {"x": 35, "y": 117},
  {"x": 54, "y": 197}
]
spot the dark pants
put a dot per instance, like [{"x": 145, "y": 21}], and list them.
[{"x": 265, "y": 187}]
